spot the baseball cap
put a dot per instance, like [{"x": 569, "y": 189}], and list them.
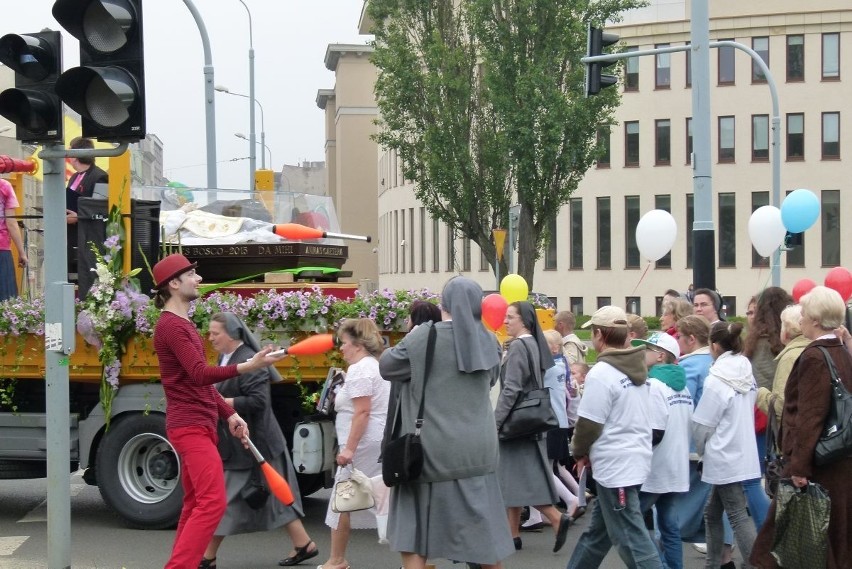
[
  {"x": 609, "y": 316},
  {"x": 661, "y": 340}
]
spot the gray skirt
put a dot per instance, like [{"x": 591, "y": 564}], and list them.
[
  {"x": 525, "y": 475},
  {"x": 240, "y": 518},
  {"x": 461, "y": 520}
]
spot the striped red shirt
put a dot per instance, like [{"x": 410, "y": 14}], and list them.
[{"x": 187, "y": 378}]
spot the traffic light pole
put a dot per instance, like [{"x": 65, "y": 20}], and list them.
[{"x": 59, "y": 340}]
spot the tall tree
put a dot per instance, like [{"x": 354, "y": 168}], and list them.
[{"x": 483, "y": 102}]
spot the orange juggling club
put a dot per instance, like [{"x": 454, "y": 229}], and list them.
[
  {"x": 317, "y": 344},
  {"x": 298, "y": 232},
  {"x": 277, "y": 485}
]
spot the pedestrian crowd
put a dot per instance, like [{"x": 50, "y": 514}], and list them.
[{"x": 660, "y": 436}]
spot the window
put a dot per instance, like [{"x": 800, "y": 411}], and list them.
[
  {"x": 726, "y": 65},
  {"x": 436, "y": 246},
  {"x": 396, "y": 239},
  {"x": 727, "y": 230},
  {"x": 729, "y": 305},
  {"x": 795, "y": 58},
  {"x": 690, "y": 221},
  {"x": 830, "y": 57},
  {"x": 726, "y": 139},
  {"x": 411, "y": 240},
  {"x": 603, "y": 147},
  {"x": 663, "y": 72},
  {"x": 575, "y": 206},
  {"x": 663, "y": 142},
  {"x": 795, "y": 136},
  {"x": 466, "y": 254},
  {"x": 631, "y": 143},
  {"x": 404, "y": 246},
  {"x": 550, "y": 249},
  {"x": 830, "y": 136},
  {"x": 664, "y": 202},
  {"x": 604, "y": 237},
  {"x": 759, "y": 138},
  {"x": 631, "y": 215},
  {"x": 689, "y": 140},
  {"x": 830, "y": 228},
  {"x": 688, "y": 66},
  {"x": 576, "y": 303},
  {"x": 604, "y": 301},
  {"x": 796, "y": 256},
  {"x": 758, "y": 199},
  {"x": 451, "y": 249},
  {"x": 633, "y": 305},
  {"x": 631, "y": 71},
  {"x": 761, "y": 46},
  {"x": 422, "y": 239},
  {"x": 483, "y": 261}
]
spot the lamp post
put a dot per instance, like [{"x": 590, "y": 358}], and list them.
[
  {"x": 252, "y": 149},
  {"x": 209, "y": 103},
  {"x": 263, "y": 154},
  {"x": 223, "y": 89}
]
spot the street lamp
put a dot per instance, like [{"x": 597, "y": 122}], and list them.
[
  {"x": 252, "y": 139},
  {"x": 263, "y": 165},
  {"x": 223, "y": 89}
]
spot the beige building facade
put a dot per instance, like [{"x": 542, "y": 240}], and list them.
[
  {"x": 350, "y": 153},
  {"x": 594, "y": 259}
]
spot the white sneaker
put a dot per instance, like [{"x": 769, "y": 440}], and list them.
[{"x": 700, "y": 547}]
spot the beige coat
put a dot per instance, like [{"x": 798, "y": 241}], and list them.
[{"x": 784, "y": 364}]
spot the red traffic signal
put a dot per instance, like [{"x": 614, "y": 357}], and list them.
[
  {"x": 108, "y": 89},
  {"x": 33, "y": 105}
]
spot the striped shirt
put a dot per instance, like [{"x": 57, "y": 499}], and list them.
[{"x": 191, "y": 399}]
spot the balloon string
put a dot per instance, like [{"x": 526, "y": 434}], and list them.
[{"x": 645, "y": 272}]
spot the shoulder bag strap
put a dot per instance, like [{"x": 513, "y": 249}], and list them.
[
  {"x": 835, "y": 381},
  {"x": 533, "y": 368},
  {"x": 771, "y": 427},
  {"x": 430, "y": 353}
]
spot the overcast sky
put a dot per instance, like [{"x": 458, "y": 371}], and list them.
[{"x": 290, "y": 40}]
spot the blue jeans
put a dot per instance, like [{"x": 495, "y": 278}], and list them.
[
  {"x": 729, "y": 499},
  {"x": 691, "y": 505},
  {"x": 758, "y": 501},
  {"x": 668, "y": 524},
  {"x": 615, "y": 525}
]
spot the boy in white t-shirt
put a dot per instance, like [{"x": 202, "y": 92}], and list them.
[
  {"x": 613, "y": 436},
  {"x": 671, "y": 404}
]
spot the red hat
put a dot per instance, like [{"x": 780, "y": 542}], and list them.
[{"x": 170, "y": 268}]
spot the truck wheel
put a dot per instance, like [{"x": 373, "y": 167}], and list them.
[{"x": 138, "y": 472}]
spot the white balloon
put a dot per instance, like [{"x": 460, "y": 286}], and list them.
[
  {"x": 655, "y": 234},
  {"x": 766, "y": 230}
]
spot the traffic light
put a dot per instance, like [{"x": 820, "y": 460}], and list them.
[
  {"x": 108, "y": 89},
  {"x": 597, "y": 40},
  {"x": 33, "y": 105}
]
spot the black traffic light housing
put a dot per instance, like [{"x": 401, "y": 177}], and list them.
[
  {"x": 33, "y": 105},
  {"x": 108, "y": 89},
  {"x": 597, "y": 40}
]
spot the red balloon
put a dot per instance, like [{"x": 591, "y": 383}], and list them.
[
  {"x": 494, "y": 308},
  {"x": 840, "y": 279},
  {"x": 801, "y": 288}
]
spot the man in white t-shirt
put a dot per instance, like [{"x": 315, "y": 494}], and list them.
[
  {"x": 613, "y": 436},
  {"x": 671, "y": 404}
]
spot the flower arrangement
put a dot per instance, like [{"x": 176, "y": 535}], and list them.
[{"x": 107, "y": 316}]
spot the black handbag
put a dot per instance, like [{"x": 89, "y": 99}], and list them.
[
  {"x": 836, "y": 440},
  {"x": 255, "y": 493},
  {"x": 532, "y": 413},
  {"x": 402, "y": 458},
  {"x": 773, "y": 462}
]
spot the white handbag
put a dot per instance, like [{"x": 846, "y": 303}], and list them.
[{"x": 353, "y": 493}]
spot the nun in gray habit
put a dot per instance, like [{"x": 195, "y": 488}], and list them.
[
  {"x": 526, "y": 478},
  {"x": 455, "y": 509}
]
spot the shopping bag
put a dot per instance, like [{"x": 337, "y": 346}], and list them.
[{"x": 801, "y": 526}]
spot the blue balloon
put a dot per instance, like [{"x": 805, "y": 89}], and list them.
[{"x": 799, "y": 210}]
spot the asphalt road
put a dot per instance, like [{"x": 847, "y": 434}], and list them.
[{"x": 100, "y": 540}]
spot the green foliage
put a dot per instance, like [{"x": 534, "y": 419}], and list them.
[{"x": 483, "y": 102}]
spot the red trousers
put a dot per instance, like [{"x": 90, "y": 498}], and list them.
[{"x": 204, "y": 499}]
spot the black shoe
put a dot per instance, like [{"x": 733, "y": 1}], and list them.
[
  {"x": 578, "y": 513},
  {"x": 533, "y": 527},
  {"x": 207, "y": 563},
  {"x": 518, "y": 543},
  {"x": 729, "y": 565},
  {"x": 302, "y": 554},
  {"x": 561, "y": 532}
]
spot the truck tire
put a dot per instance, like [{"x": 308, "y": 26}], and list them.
[{"x": 138, "y": 472}]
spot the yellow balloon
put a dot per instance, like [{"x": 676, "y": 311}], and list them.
[{"x": 514, "y": 288}]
